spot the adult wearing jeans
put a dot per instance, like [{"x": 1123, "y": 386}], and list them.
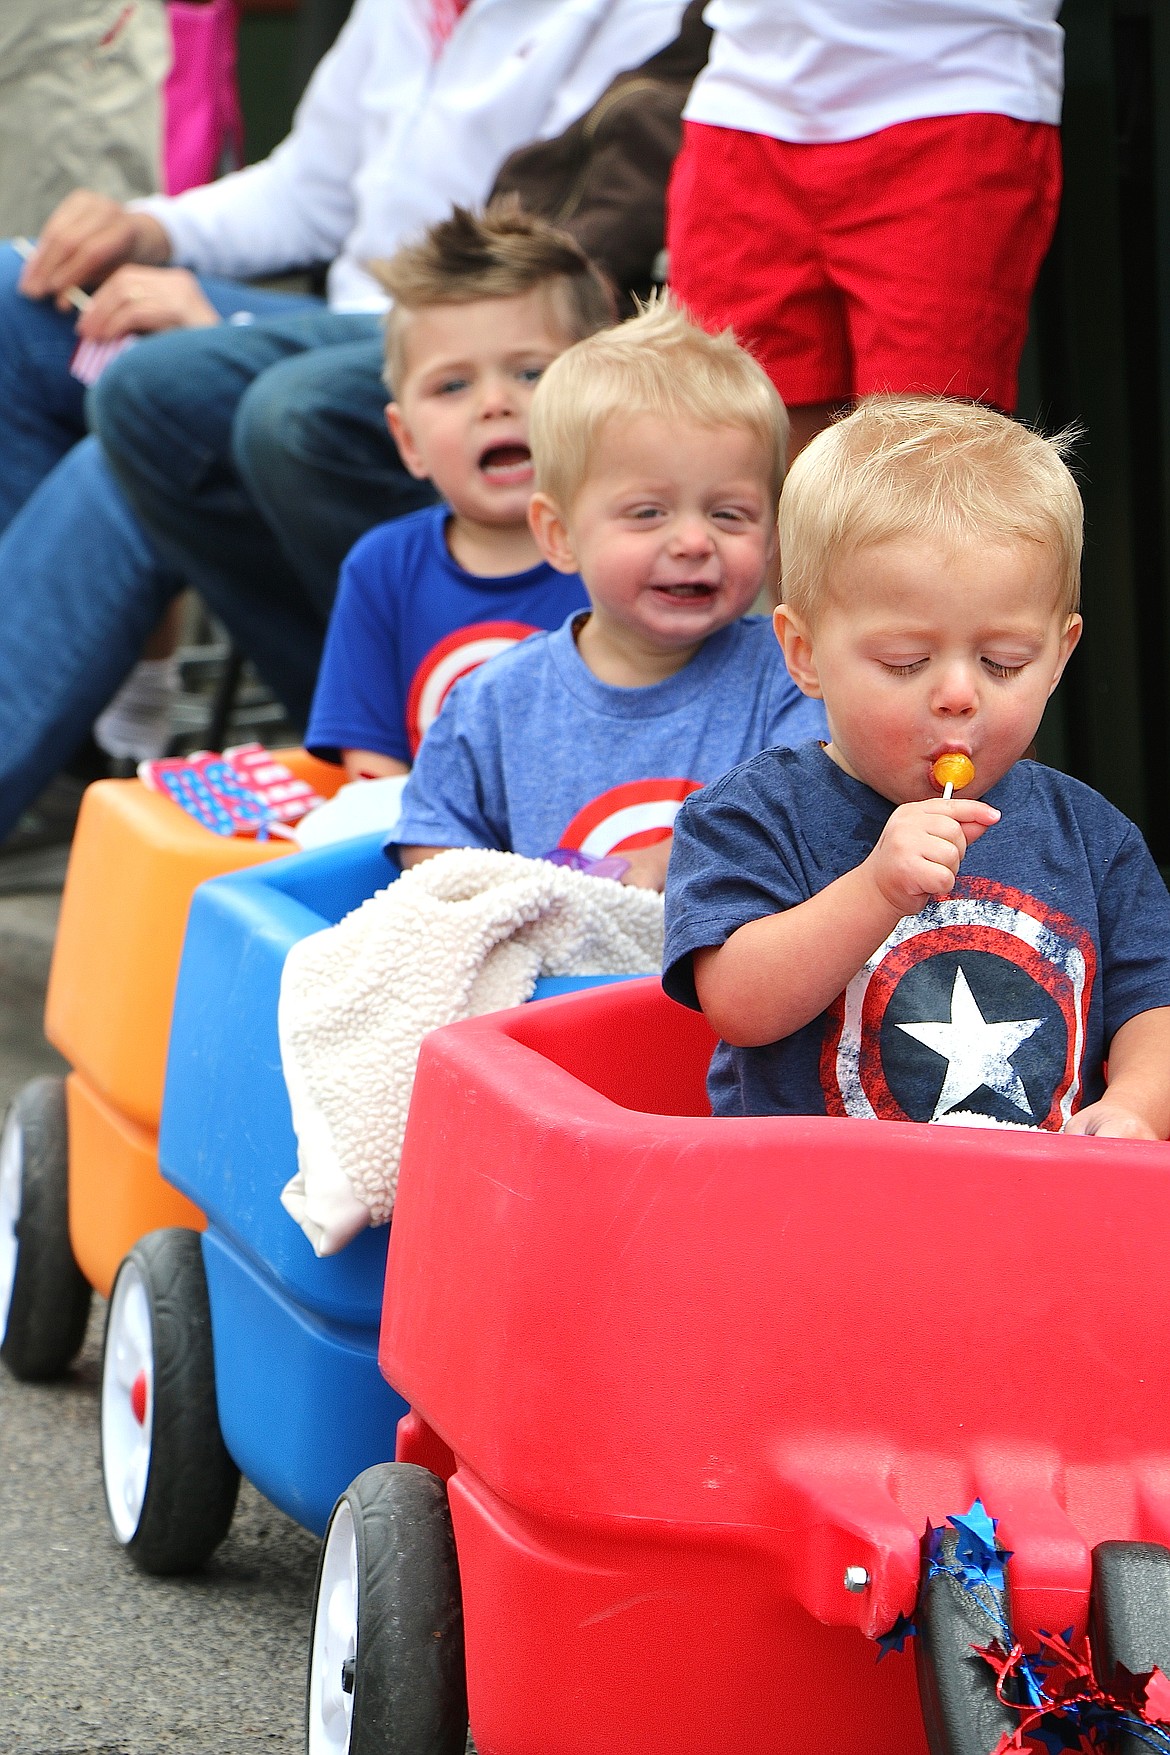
[{"x": 244, "y": 447}]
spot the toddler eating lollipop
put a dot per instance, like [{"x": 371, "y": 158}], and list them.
[{"x": 911, "y": 921}]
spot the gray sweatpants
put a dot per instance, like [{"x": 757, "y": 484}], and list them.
[{"x": 80, "y": 102}]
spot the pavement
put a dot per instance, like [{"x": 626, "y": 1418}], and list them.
[{"x": 96, "y": 1659}]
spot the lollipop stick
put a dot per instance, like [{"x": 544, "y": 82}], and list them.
[{"x": 948, "y": 789}]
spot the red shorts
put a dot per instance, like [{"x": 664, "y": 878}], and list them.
[{"x": 901, "y": 261}]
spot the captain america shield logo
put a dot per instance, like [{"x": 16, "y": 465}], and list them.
[
  {"x": 634, "y": 815},
  {"x": 977, "y": 1004},
  {"x": 449, "y": 659}
]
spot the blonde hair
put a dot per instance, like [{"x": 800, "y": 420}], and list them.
[
  {"x": 658, "y": 363},
  {"x": 952, "y": 472},
  {"x": 499, "y": 254}
]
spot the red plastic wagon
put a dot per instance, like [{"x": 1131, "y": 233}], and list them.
[{"x": 696, "y": 1387}]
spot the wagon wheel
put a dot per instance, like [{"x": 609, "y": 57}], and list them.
[
  {"x": 1129, "y": 1615},
  {"x": 386, "y": 1664},
  {"x": 170, "y": 1484},
  {"x": 960, "y": 1711},
  {"x": 44, "y": 1296}
]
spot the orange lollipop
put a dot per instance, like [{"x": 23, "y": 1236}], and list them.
[{"x": 953, "y": 769}]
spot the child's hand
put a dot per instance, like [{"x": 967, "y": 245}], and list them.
[
  {"x": 1109, "y": 1120},
  {"x": 1136, "y": 1104},
  {"x": 648, "y": 865},
  {"x": 921, "y": 847}
]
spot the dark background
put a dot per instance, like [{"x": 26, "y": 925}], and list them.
[{"x": 1099, "y": 355}]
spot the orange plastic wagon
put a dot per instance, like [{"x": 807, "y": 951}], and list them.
[{"x": 79, "y": 1177}]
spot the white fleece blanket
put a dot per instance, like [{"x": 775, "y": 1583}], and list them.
[{"x": 461, "y": 934}]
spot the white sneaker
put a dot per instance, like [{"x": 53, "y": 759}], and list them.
[{"x": 136, "y": 726}]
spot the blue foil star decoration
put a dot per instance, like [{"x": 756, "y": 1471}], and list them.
[
  {"x": 896, "y": 1638},
  {"x": 1056, "y": 1735},
  {"x": 1031, "y": 1670},
  {"x": 975, "y": 1550}
]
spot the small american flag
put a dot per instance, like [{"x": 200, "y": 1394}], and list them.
[{"x": 90, "y": 358}]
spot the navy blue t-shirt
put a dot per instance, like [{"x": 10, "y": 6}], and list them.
[
  {"x": 408, "y": 622},
  {"x": 1000, "y": 999}
]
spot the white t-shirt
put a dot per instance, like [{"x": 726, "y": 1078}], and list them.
[
  {"x": 812, "y": 70},
  {"x": 389, "y": 134}
]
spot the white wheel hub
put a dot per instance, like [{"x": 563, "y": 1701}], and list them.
[
  {"x": 127, "y": 1402},
  {"x": 11, "y": 1175},
  {"x": 334, "y": 1654}
]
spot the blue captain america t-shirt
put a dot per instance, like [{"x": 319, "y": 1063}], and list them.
[
  {"x": 408, "y": 622},
  {"x": 998, "y": 1000},
  {"x": 533, "y": 752}
]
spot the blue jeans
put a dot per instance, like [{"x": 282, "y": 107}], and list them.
[
  {"x": 255, "y": 457},
  {"x": 83, "y": 578}
]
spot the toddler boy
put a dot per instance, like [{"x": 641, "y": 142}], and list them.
[
  {"x": 481, "y": 306},
  {"x": 862, "y": 945},
  {"x": 659, "y": 454}
]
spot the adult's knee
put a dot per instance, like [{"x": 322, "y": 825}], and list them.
[
  {"x": 132, "y": 406},
  {"x": 316, "y": 417},
  {"x": 267, "y": 419},
  {"x": 161, "y": 409}
]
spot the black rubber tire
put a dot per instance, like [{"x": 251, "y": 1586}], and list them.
[
  {"x": 956, "y": 1689},
  {"x": 410, "y": 1679},
  {"x": 1129, "y": 1615},
  {"x": 49, "y": 1308},
  {"x": 192, "y": 1482}
]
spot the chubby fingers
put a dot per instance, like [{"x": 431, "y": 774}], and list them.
[
  {"x": 1107, "y": 1122},
  {"x": 973, "y": 815},
  {"x": 922, "y": 846},
  {"x": 941, "y": 853},
  {"x": 952, "y": 825}
]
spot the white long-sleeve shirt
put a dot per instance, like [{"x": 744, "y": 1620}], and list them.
[
  {"x": 810, "y": 70},
  {"x": 387, "y": 137}
]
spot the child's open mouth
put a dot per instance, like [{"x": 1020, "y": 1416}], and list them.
[
  {"x": 686, "y": 592},
  {"x": 508, "y": 465}
]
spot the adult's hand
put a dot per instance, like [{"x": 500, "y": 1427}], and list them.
[
  {"x": 140, "y": 301},
  {"x": 82, "y": 242}
]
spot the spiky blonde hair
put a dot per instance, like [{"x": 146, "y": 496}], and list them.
[{"x": 498, "y": 254}]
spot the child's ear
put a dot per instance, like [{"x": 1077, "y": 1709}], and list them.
[
  {"x": 404, "y": 439},
  {"x": 551, "y": 533},
  {"x": 796, "y": 643},
  {"x": 1068, "y": 645}
]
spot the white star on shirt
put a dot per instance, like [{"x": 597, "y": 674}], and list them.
[{"x": 977, "y": 1053}]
